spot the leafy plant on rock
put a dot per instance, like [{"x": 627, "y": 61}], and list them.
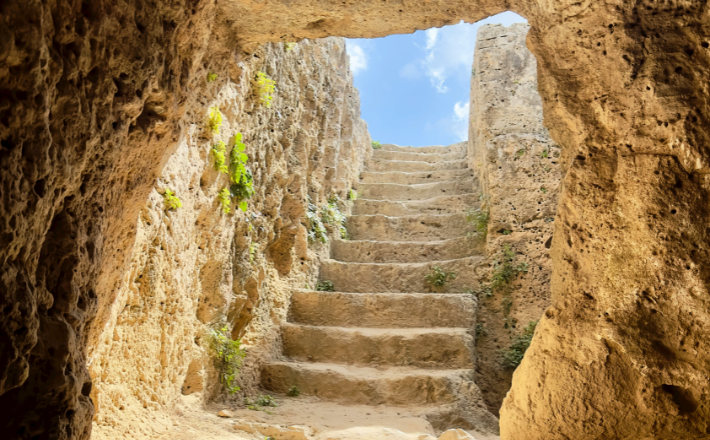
[
  {"x": 211, "y": 77},
  {"x": 214, "y": 120},
  {"x": 228, "y": 355},
  {"x": 376, "y": 145},
  {"x": 480, "y": 216},
  {"x": 265, "y": 89},
  {"x": 439, "y": 277},
  {"x": 293, "y": 391},
  {"x": 504, "y": 271},
  {"x": 513, "y": 355},
  {"x": 325, "y": 286},
  {"x": 242, "y": 181},
  {"x": 172, "y": 202},
  {"x": 317, "y": 231},
  {"x": 332, "y": 215},
  {"x": 220, "y": 161},
  {"x": 261, "y": 401},
  {"x": 225, "y": 200}
]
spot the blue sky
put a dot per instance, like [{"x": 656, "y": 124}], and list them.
[{"x": 414, "y": 88}]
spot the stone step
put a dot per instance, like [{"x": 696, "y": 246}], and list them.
[
  {"x": 397, "y": 386},
  {"x": 436, "y": 205},
  {"x": 383, "y": 310},
  {"x": 368, "y": 251},
  {"x": 461, "y": 146},
  {"x": 423, "y": 227},
  {"x": 418, "y": 156},
  {"x": 417, "y": 177},
  {"x": 412, "y": 166},
  {"x": 442, "y": 348},
  {"x": 422, "y": 191},
  {"x": 400, "y": 277}
]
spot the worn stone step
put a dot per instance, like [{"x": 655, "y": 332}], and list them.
[
  {"x": 422, "y": 191},
  {"x": 400, "y": 277},
  {"x": 414, "y": 178},
  {"x": 457, "y": 147},
  {"x": 436, "y": 205},
  {"x": 419, "y": 156},
  {"x": 442, "y": 348},
  {"x": 383, "y": 310},
  {"x": 382, "y": 165},
  {"x": 396, "y": 386},
  {"x": 369, "y": 251},
  {"x": 423, "y": 227}
]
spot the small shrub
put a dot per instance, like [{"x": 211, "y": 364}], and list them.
[
  {"x": 376, "y": 145},
  {"x": 545, "y": 153},
  {"x": 225, "y": 200},
  {"x": 506, "y": 232},
  {"x": 331, "y": 215},
  {"x": 253, "y": 248},
  {"x": 439, "y": 277},
  {"x": 214, "y": 120},
  {"x": 480, "y": 216},
  {"x": 228, "y": 355},
  {"x": 242, "y": 181},
  {"x": 520, "y": 153},
  {"x": 481, "y": 330},
  {"x": 172, "y": 202},
  {"x": 220, "y": 161},
  {"x": 294, "y": 391},
  {"x": 289, "y": 46},
  {"x": 543, "y": 190},
  {"x": 266, "y": 89},
  {"x": 352, "y": 195},
  {"x": 504, "y": 271},
  {"x": 513, "y": 356},
  {"x": 325, "y": 286},
  {"x": 211, "y": 77},
  {"x": 261, "y": 401},
  {"x": 317, "y": 231}
]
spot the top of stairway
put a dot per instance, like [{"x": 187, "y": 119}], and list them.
[{"x": 438, "y": 149}]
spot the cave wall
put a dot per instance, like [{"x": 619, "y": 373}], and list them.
[
  {"x": 197, "y": 268},
  {"x": 95, "y": 96},
  {"x": 518, "y": 167}
]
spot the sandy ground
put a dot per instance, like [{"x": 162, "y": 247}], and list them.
[{"x": 301, "y": 418}]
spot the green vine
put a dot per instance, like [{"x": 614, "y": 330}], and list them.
[
  {"x": 172, "y": 202},
  {"x": 220, "y": 162},
  {"x": 214, "y": 120},
  {"x": 513, "y": 355},
  {"x": 242, "y": 181},
  {"x": 228, "y": 355},
  {"x": 225, "y": 200},
  {"x": 266, "y": 89}
]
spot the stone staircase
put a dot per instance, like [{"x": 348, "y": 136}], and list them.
[{"x": 382, "y": 338}]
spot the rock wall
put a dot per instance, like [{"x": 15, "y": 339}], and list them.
[
  {"x": 518, "y": 167},
  {"x": 197, "y": 267}
]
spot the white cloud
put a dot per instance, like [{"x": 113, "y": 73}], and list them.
[
  {"x": 410, "y": 71},
  {"x": 461, "y": 111},
  {"x": 358, "y": 58},
  {"x": 431, "y": 36}
]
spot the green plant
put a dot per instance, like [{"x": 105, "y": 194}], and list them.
[
  {"x": 480, "y": 216},
  {"x": 211, "y": 77},
  {"x": 242, "y": 181},
  {"x": 513, "y": 356},
  {"x": 481, "y": 330},
  {"x": 352, "y": 195},
  {"x": 325, "y": 286},
  {"x": 520, "y": 153},
  {"x": 545, "y": 153},
  {"x": 439, "y": 277},
  {"x": 331, "y": 215},
  {"x": 214, "y": 121},
  {"x": 317, "y": 230},
  {"x": 294, "y": 391},
  {"x": 220, "y": 162},
  {"x": 261, "y": 401},
  {"x": 225, "y": 200},
  {"x": 504, "y": 271},
  {"x": 543, "y": 190},
  {"x": 266, "y": 89},
  {"x": 376, "y": 145},
  {"x": 228, "y": 355},
  {"x": 289, "y": 46},
  {"x": 506, "y": 232},
  {"x": 172, "y": 202}
]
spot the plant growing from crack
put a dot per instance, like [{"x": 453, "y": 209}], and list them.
[
  {"x": 225, "y": 200},
  {"x": 479, "y": 217},
  {"x": 262, "y": 401},
  {"x": 240, "y": 177},
  {"x": 317, "y": 231},
  {"x": 504, "y": 272},
  {"x": 325, "y": 286},
  {"x": 439, "y": 277},
  {"x": 220, "y": 161},
  {"x": 214, "y": 119},
  {"x": 172, "y": 202},
  {"x": 211, "y": 77},
  {"x": 265, "y": 89},
  {"x": 376, "y": 145},
  {"x": 293, "y": 391},
  {"x": 513, "y": 355},
  {"x": 332, "y": 215},
  {"x": 481, "y": 331},
  {"x": 228, "y": 355}
]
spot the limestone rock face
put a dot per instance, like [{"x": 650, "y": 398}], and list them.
[{"x": 518, "y": 167}]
